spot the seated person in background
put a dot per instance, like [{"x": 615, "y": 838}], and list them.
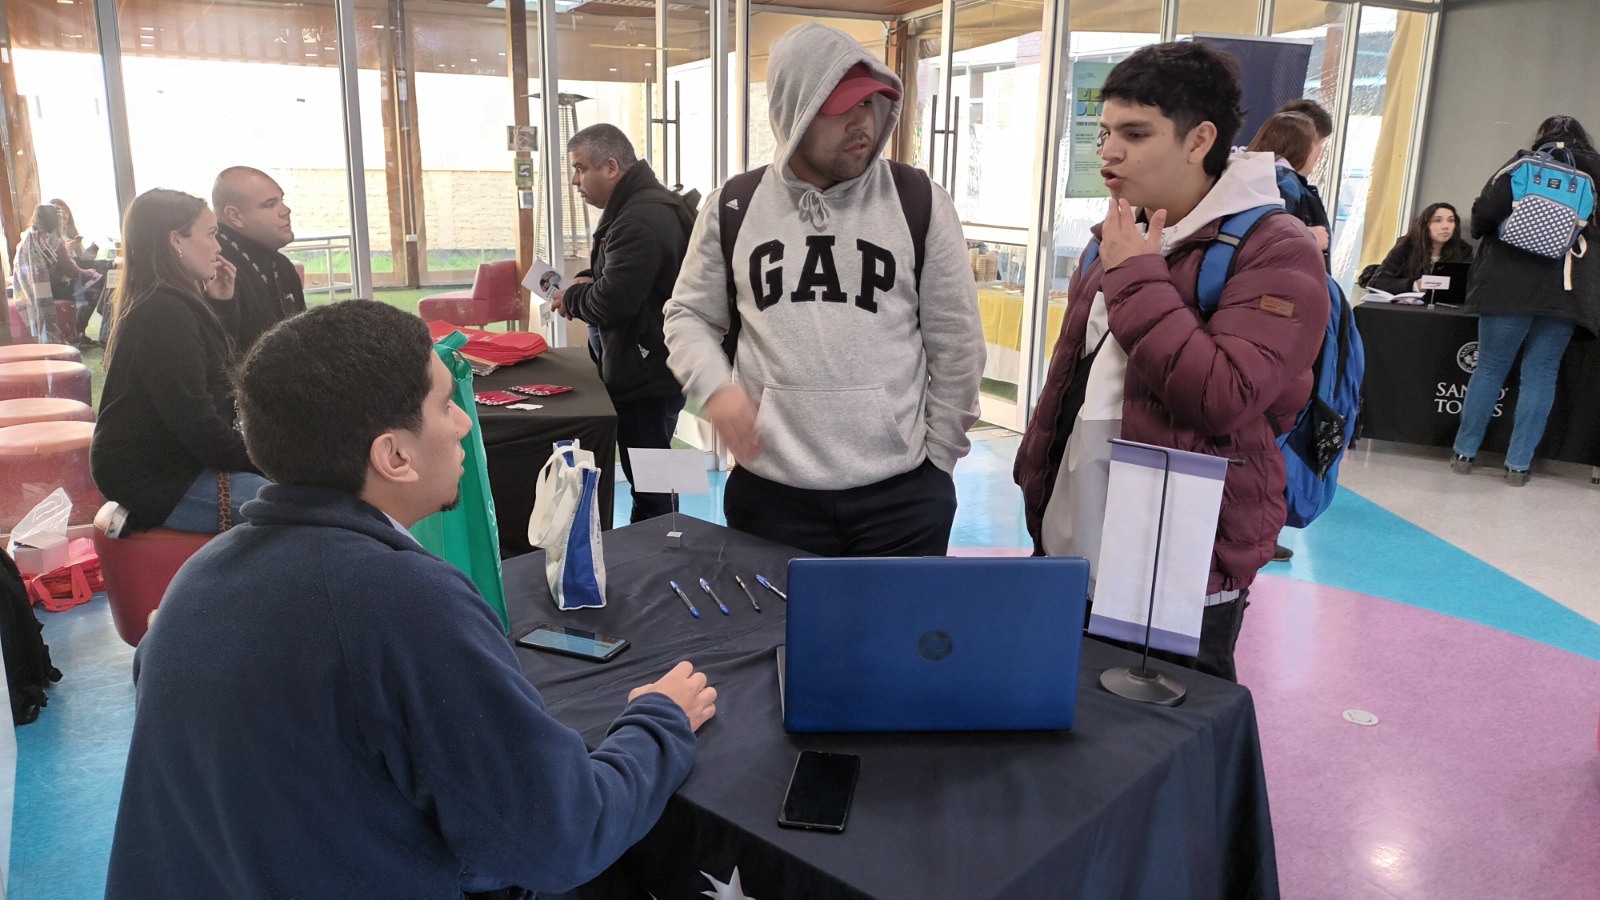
[
  {"x": 44, "y": 273},
  {"x": 89, "y": 295},
  {"x": 1435, "y": 236},
  {"x": 253, "y": 226},
  {"x": 327, "y": 710},
  {"x": 165, "y": 446},
  {"x": 1292, "y": 137}
]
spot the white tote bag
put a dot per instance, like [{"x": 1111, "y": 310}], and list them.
[{"x": 566, "y": 525}]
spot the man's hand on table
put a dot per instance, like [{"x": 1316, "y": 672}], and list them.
[{"x": 687, "y": 688}]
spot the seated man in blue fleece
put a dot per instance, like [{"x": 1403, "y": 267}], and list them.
[{"x": 327, "y": 710}]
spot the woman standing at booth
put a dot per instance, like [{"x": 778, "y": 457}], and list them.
[
  {"x": 1522, "y": 303},
  {"x": 165, "y": 446},
  {"x": 1435, "y": 237}
]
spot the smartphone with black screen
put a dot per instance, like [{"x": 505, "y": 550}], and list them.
[
  {"x": 820, "y": 791},
  {"x": 573, "y": 642}
]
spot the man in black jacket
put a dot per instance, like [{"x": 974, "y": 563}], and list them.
[
  {"x": 633, "y": 265},
  {"x": 252, "y": 227}
]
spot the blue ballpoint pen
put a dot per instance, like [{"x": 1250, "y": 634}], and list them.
[
  {"x": 769, "y": 586},
  {"x": 685, "y": 598},
  {"x": 704, "y": 586}
]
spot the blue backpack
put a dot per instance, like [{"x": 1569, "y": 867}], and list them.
[
  {"x": 1313, "y": 446},
  {"x": 1551, "y": 201}
]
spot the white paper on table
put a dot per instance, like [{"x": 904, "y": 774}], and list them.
[
  {"x": 668, "y": 471},
  {"x": 1128, "y": 545},
  {"x": 1434, "y": 282}
]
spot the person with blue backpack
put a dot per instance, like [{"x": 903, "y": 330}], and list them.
[
  {"x": 1292, "y": 139},
  {"x": 1535, "y": 283},
  {"x": 1169, "y": 343}
]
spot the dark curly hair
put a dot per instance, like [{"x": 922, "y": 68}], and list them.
[
  {"x": 1190, "y": 83},
  {"x": 1565, "y": 130}
]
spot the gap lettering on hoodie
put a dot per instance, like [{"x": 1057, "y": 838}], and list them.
[{"x": 820, "y": 272}]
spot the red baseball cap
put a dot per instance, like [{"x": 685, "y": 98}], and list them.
[{"x": 858, "y": 84}]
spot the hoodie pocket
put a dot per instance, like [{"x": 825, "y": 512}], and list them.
[{"x": 837, "y": 430}]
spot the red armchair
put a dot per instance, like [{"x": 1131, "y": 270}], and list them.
[{"x": 495, "y": 297}]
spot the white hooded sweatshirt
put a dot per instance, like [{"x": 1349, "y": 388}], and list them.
[{"x": 859, "y": 376}]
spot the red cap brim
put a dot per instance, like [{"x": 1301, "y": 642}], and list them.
[{"x": 852, "y": 90}]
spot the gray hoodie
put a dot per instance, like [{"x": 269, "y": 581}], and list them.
[{"x": 855, "y": 384}]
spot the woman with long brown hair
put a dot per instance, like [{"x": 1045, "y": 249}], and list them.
[
  {"x": 1435, "y": 236},
  {"x": 165, "y": 446}
]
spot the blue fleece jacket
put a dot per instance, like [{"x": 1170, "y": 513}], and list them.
[{"x": 327, "y": 710}]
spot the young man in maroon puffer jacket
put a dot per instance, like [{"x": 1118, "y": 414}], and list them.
[{"x": 1223, "y": 385}]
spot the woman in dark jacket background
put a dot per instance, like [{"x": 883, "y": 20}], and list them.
[
  {"x": 1435, "y": 236},
  {"x": 165, "y": 436},
  {"x": 1523, "y": 304}
]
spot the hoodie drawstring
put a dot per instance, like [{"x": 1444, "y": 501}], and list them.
[{"x": 814, "y": 208}]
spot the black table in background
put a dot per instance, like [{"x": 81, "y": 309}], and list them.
[
  {"x": 1135, "y": 801},
  {"x": 1419, "y": 360},
  {"x": 517, "y": 441}
]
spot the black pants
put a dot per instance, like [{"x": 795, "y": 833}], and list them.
[
  {"x": 909, "y": 514},
  {"x": 1219, "y": 636},
  {"x": 647, "y": 425}
]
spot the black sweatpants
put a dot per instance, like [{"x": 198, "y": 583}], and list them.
[
  {"x": 909, "y": 514},
  {"x": 647, "y": 425}
]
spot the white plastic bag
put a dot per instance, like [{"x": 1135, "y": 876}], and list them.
[
  {"x": 566, "y": 524},
  {"x": 46, "y": 520}
]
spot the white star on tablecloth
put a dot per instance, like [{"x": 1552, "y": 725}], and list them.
[{"x": 730, "y": 891}]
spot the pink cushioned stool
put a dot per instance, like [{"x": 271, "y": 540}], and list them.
[
  {"x": 25, "y": 410},
  {"x": 137, "y": 570},
  {"x": 44, "y": 378},
  {"x": 39, "y": 457}
]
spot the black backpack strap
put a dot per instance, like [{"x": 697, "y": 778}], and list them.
[
  {"x": 916, "y": 204},
  {"x": 732, "y": 204}
]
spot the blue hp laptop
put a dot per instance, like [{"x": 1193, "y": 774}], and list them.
[{"x": 933, "y": 644}]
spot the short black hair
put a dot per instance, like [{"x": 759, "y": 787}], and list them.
[
  {"x": 319, "y": 388},
  {"x": 602, "y": 142},
  {"x": 1190, "y": 83},
  {"x": 1312, "y": 110}
]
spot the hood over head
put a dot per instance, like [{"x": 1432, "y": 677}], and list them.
[{"x": 806, "y": 64}]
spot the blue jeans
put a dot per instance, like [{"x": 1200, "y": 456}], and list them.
[
  {"x": 1542, "y": 340},
  {"x": 197, "y": 511}
]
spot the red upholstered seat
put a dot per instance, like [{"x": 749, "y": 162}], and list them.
[
  {"x": 495, "y": 297},
  {"x": 21, "y": 352},
  {"x": 38, "y": 457},
  {"x": 25, "y": 410},
  {"x": 44, "y": 378},
  {"x": 137, "y": 570}
]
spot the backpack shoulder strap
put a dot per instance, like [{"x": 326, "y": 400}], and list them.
[
  {"x": 1217, "y": 264},
  {"x": 1090, "y": 254},
  {"x": 732, "y": 204},
  {"x": 916, "y": 204}
]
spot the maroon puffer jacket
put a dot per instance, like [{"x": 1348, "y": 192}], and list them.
[{"x": 1208, "y": 387}]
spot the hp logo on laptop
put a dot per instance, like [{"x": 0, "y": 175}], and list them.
[{"x": 934, "y": 646}]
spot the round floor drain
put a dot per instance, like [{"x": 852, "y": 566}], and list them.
[{"x": 1360, "y": 717}]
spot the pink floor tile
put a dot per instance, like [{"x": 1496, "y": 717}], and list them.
[{"x": 1481, "y": 779}]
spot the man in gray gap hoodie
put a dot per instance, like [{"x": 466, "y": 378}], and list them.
[{"x": 852, "y": 389}]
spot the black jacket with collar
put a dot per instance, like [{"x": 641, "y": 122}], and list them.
[
  {"x": 1508, "y": 281},
  {"x": 637, "y": 249},
  {"x": 266, "y": 292},
  {"x": 167, "y": 410}
]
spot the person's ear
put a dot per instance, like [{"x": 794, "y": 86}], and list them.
[
  {"x": 1199, "y": 142},
  {"x": 230, "y": 216},
  {"x": 174, "y": 238},
  {"x": 389, "y": 459}
]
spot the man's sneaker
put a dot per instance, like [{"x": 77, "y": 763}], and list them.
[
  {"x": 1461, "y": 465},
  {"x": 1282, "y": 554},
  {"x": 1515, "y": 478}
]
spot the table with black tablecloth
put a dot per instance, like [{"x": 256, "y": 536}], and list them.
[
  {"x": 517, "y": 441},
  {"x": 1135, "y": 801},
  {"x": 1419, "y": 360}
]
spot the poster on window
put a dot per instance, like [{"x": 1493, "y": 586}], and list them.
[{"x": 1083, "y": 134}]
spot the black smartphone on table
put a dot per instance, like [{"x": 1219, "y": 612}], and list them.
[
  {"x": 820, "y": 791},
  {"x": 573, "y": 642}
]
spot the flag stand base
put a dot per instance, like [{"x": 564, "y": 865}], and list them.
[{"x": 1144, "y": 685}]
